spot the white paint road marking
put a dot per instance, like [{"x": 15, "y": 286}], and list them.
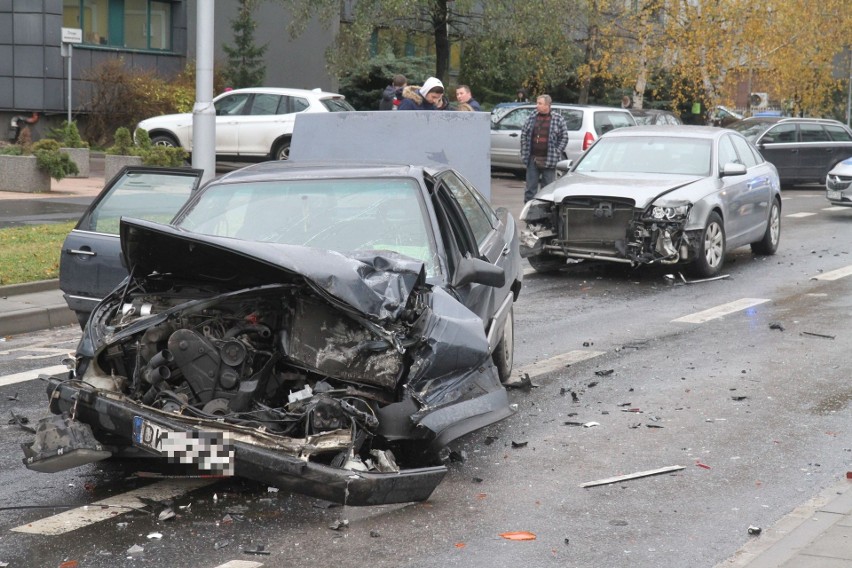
[
  {"x": 837, "y": 208},
  {"x": 559, "y": 362},
  {"x": 240, "y": 564},
  {"x": 529, "y": 271},
  {"x": 800, "y": 215},
  {"x": 834, "y": 274},
  {"x": 31, "y": 375},
  {"x": 723, "y": 310},
  {"x": 112, "y": 507}
]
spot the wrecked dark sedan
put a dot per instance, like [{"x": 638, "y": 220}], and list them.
[
  {"x": 324, "y": 329},
  {"x": 657, "y": 195}
]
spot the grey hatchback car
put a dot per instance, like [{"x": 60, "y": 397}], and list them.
[
  {"x": 803, "y": 149},
  {"x": 586, "y": 124}
]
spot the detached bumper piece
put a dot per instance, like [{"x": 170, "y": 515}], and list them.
[
  {"x": 262, "y": 464},
  {"x": 62, "y": 443}
]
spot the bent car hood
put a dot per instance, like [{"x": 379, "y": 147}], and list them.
[
  {"x": 641, "y": 188},
  {"x": 375, "y": 285}
]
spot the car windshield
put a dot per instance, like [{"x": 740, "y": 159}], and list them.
[
  {"x": 751, "y": 129},
  {"x": 648, "y": 154},
  {"x": 343, "y": 215}
]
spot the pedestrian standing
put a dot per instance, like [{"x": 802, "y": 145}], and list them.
[
  {"x": 392, "y": 95},
  {"x": 543, "y": 140},
  {"x": 428, "y": 97},
  {"x": 464, "y": 96},
  {"x": 521, "y": 97}
]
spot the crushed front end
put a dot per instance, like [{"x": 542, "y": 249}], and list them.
[
  {"x": 283, "y": 383},
  {"x": 610, "y": 229}
]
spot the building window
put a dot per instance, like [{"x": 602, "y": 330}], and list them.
[{"x": 130, "y": 24}]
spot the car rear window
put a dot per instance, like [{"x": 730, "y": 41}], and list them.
[
  {"x": 838, "y": 133},
  {"x": 610, "y": 120},
  {"x": 812, "y": 133},
  {"x": 573, "y": 117},
  {"x": 338, "y": 104}
]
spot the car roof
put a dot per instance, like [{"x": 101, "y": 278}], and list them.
[
  {"x": 649, "y": 111},
  {"x": 295, "y": 170},
  {"x": 285, "y": 91},
  {"x": 670, "y": 130},
  {"x": 576, "y": 106},
  {"x": 793, "y": 119}
]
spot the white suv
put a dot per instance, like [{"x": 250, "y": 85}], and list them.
[
  {"x": 251, "y": 124},
  {"x": 586, "y": 123}
]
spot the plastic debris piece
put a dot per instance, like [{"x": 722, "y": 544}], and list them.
[
  {"x": 477, "y": 480},
  {"x": 636, "y": 475},
  {"x": 776, "y": 325},
  {"x": 604, "y": 372},
  {"x": 166, "y": 514},
  {"x": 135, "y": 549},
  {"x": 272, "y": 490},
  {"x": 849, "y": 475},
  {"x": 320, "y": 504},
  {"x": 752, "y": 530},
  {"x": 518, "y": 535},
  {"x": 572, "y": 423},
  {"x": 703, "y": 465},
  {"x": 457, "y": 457},
  {"x": 221, "y": 544},
  {"x": 155, "y": 536},
  {"x": 460, "y": 545},
  {"x": 738, "y": 398},
  {"x": 591, "y": 424},
  {"x": 12, "y": 397},
  {"x": 67, "y": 564},
  {"x": 522, "y": 383},
  {"x": 654, "y": 426},
  {"x": 592, "y": 384},
  {"x": 490, "y": 440},
  {"x": 259, "y": 549},
  {"x": 339, "y": 524},
  {"x": 375, "y": 534},
  {"x": 574, "y": 397},
  {"x": 519, "y": 444}
]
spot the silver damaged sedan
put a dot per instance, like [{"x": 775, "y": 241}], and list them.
[{"x": 657, "y": 195}]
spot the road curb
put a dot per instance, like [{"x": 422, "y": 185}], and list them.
[{"x": 29, "y": 287}]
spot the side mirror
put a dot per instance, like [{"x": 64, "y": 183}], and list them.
[
  {"x": 564, "y": 165},
  {"x": 477, "y": 271},
  {"x": 733, "y": 169}
]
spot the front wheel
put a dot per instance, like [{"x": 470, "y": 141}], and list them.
[
  {"x": 769, "y": 243},
  {"x": 504, "y": 354},
  {"x": 711, "y": 250},
  {"x": 164, "y": 140},
  {"x": 281, "y": 150}
]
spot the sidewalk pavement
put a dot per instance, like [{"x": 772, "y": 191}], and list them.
[{"x": 817, "y": 534}]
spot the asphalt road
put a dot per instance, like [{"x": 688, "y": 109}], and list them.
[{"x": 754, "y": 404}]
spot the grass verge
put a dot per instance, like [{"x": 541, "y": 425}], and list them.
[{"x": 31, "y": 253}]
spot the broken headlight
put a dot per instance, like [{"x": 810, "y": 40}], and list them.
[
  {"x": 536, "y": 211},
  {"x": 671, "y": 212}
]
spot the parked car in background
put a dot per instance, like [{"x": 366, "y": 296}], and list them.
[
  {"x": 585, "y": 125},
  {"x": 648, "y": 116},
  {"x": 657, "y": 195},
  {"x": 803, "y": 149},
  {"x": 251, "y": 124},
  {"x": 323, "y": 328},
  {"x": 723, "y": 116},
  {"x": 838, "y": 184}
]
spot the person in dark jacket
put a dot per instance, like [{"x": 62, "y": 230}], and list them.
[
  {"x": 392, "y": 95},
  {"x": 464, "y": 96},
  {"x": 543, "y": 140},
  {"x": 428, "y": 97}
]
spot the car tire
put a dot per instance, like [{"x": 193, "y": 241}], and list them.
[
  {"x": 544, "y": 263},
  {"x": 711, "y": 248},
  {"x": 164, "y": 140},
  {"x": 769, "y": 243},
  {"x": 504, "y": 353},
  {"x": 281, "y": 151}
]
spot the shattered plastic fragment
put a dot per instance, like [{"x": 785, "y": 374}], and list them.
[
  {"x": 339, "y": 524},
  {"x": 518, "y": 535},
  {"x": 221, "y": 544},
  {"x": 776, "y": 325},
  {"x": 260, "y": 549},
  {"x": 519, "y": 444},
  {"x": 703, "y": 465},
  {"x": 604, "y": 372},
  {"x": 166, "y": 514},
  {"x": 752, "y": 530},
  {"x": 135, "y": 549},
  {"x": 66, "y": 564},
  {"x": 155, "y": 536},
  {"x": 375, "y": 534},
  {"x": 591, "y": 424}
]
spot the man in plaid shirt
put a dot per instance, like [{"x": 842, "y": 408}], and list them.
[{"x": 543, "y": 140}]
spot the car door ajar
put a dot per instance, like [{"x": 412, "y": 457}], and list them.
[{"x": 90, "y": 262}]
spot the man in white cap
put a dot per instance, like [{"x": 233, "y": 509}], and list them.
[{"x": 428, "y": 97}]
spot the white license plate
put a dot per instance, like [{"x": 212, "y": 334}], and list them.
[
  {"x": 833, "y": 194},
  {"x": 209, "y": 451}
]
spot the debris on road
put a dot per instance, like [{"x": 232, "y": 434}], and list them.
[
  {"x": 135, "y": 549},
  {"x": 752, "y": 530},
  {"x": 259, "y": 550},
  {"x": 591, "y": 424},
  {"x": 522, "y": 382},
  {"x": 21, "y": 421},
  {"x": 518, "y": 535},
  {"x": 776, "y": 325},
  {"x": 739, "y": 398},
  {"x": 703, "y": 465},
  {"x": 519, "y": 444},
  {"x": 604, "y": 372},
  {"x": 490, "y": 440},
  {"x": 812, "y": 334},
  {"x": 339, "y": 524},
  {"x": 155, "y": 536},
  {"x": 670, "y": 279},
  {"x": 629, "y": 476},
  {"x": 218, "y": 545}
]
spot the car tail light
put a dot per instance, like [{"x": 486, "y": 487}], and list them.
[{"x": 588, "y": 140}]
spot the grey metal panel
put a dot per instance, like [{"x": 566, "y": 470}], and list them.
[
  {"x": 29, "y": 29},
  {"x": 53, "y": 29},
  {"x": 5, "y": 28},
  {"x": 6, "y": 93},
  {"x": 6, "y": 63},
  {"x": 29, "y": 6},
  {"x": 29, "y": 61},
  {"x": 5, "y": 5},
  {"x": 55, "y": 97},
  {"x": 460, "y": 140},
  {"x": 55, "y": 66},
  {"x": 29, "y": 94}
]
